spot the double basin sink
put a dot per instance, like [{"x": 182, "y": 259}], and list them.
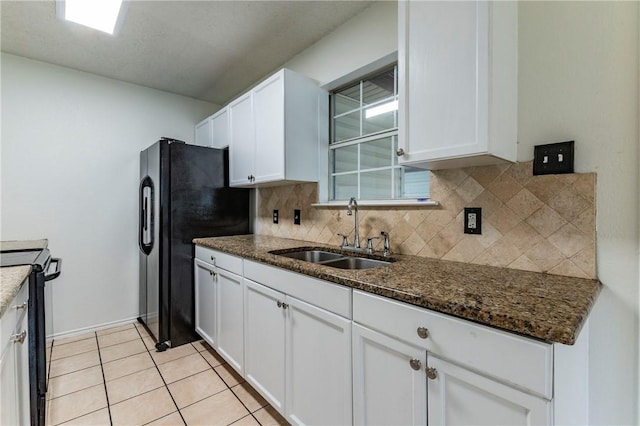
[{"x": 335, "y": 260}]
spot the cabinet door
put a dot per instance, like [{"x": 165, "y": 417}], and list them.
[
  {"x": 268, "y": 110},
  {"x": 229, "y": 304},
  {"x": 22, "y": 372},
  {"x": 205, "y": 297},
  {"x": 241, "y": 141},
  {"x": 387, "y": 387},
  {"x": 203, "y": 132},
  {"x": 318, "y": 366},
  {"x": 264, "y": 342},
  {"x": 458, "y": 396},
  {"x": 443, "y": 86},
  {"x": 220, "y": 129},
  {"x": 9, "y": 413}
]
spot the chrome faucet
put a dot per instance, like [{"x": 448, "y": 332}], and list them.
[
  {"x": 353, "y": 205},
  {"x": 387, "y": 245}
]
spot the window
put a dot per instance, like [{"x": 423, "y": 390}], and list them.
[{"x": 364, "y": 139}]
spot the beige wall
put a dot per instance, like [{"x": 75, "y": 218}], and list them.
[{"x": 578, "y": 80}]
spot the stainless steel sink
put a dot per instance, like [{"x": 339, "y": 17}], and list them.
[
  {"x": 335, "y": 260},
  {"x": 356, "y": 263},
  {"x": 315, "y": 256}
]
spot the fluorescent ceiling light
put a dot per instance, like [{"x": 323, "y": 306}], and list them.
[
  {"x": 102, "y": 15},
  {"x": 381, "y": 109}
]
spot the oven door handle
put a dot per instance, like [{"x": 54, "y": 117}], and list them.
[{"x": 55, "y": 274}]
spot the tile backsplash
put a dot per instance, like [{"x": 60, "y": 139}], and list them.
[{"x": 534, "y": 223}]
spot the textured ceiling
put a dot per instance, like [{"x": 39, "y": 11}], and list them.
[{"x": 209, "y": 50}]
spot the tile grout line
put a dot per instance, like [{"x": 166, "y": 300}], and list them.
[{"x": 104, "y": 381}]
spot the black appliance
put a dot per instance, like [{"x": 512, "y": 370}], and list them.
[
  {"x": 43, "y": 268},
  {"x": 184, "y": 193}
]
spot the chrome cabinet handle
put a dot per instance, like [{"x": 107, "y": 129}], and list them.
[
  {"x": 213, "y": 274},
  {"x": 19, "y": 338},
  {"x": 400, "y": 152},
  {"x": 423, "y": 332},
  {"x": 415, "y": 364},
  {"x": 279, "y": 304},
  {"x": 285, "y": 305},
  {"x": 432, "y": 373},
  {"x": 22, "y": 306}
]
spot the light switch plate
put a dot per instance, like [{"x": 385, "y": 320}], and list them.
[{"x": 553, "y": 158}]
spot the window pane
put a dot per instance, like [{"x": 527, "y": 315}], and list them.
[
  {"x": 378, "y": 123},
  {"x": 345, "y": 159},
  {"x": 345, "y": 186},
  {"x": 376, "y": 154},
  {"x": 346, "y": 100},
  {"x": 379, "y": 87},
  {"x": 346, "y": 127},
  {"x": 375, "y": 185},
  {"x": 412, "y": 183}
]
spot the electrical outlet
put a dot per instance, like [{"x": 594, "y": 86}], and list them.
[
  {"x": 554, "y": 158},
  {"x": 473, "y": 220},
  {"x": 296, "y": 217},
  {"x": 275, "y": 216}
]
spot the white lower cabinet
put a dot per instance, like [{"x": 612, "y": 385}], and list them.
[
  {"x": 298, "y": 356},
  {"x": 458, "y": 396},
  {"x": 389, "y": 383},
  {"x": 229, "y": 307},
  {"x": 205, "y": 297},
  {"x": 14, "y": 361}
]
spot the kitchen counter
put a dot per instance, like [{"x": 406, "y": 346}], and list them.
[
  {"x": 542, "y": 306},
  {"x": 11, "y": 279}
]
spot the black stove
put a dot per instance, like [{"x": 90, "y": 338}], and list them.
[{"x": 44, "y": 269}]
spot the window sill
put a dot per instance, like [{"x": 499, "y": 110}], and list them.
[{"x": 381, "y": 203}]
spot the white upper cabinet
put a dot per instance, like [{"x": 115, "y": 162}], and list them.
[
  {"x": 457, "y": 83},
  {"x": 274, "y": 130},
  {"x": 213, "y": 131}
]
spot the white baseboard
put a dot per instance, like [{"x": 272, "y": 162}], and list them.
[{"x": 92, "y": 328}]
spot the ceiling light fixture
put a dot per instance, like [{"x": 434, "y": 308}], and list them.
[
  {"x": 102, "y": 15},
  {"x": 381, "y": 109}
]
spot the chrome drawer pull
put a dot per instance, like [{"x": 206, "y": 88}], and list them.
[
  {"x": 19, "y": 338},
  {"x": 23, "y": 306},
  {"x": 415, "y": 364},
  {"x": 423, "y": 332}
]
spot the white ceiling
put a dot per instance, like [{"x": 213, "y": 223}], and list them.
[{"x": 209, "y": 50}]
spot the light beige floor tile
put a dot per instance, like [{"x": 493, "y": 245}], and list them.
[
  {"x": 123, "y": 367},
  {"x": 149, "y": 343},
  {"x": 142, "y": 330},
  {"x": 201, "y": 345},
  {"x": 173, "y": 419},
  {"x": 173, "y": 353},
  {"x": 249, "y": 397},
  {"x": 268, "y": 416},
  {"x": 246, "y": 421},
  {"x": 76, "y": 404},
  {"x": 97, "y": 418},
  {"x": 72, "y": 339},
  {"x": 118, "y": 337},
  {"x": 74, "y": 348},
  {"x": 229, "y": 375},
  {"x": 133, "y": 385},
  {"x": 196, "y": 388},
  {"x": 222, "y": 408},
  {"x": 182, "y": 367},
  {"x": 213, "y": 358},
  {"x": 122, "y": 350},
  {"x": 74, "y": 363},
  {"x": 143, "y": 409},
  {"x": 72, "y": 382},
  {"x": 115, "y": 329}
]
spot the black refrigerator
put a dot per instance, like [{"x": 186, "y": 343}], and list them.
[{"x": 184, "y": 193}]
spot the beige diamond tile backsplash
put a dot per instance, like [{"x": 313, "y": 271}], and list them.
[{"x": 534, "y": 223}]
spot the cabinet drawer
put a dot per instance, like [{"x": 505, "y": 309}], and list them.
[
  {"x": 518, "y": 361},
  {"x": 332, "y": 297},
  {"x": 221, "y": 260}
]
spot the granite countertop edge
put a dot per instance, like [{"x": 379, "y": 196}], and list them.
[
  {"x": 547, "y": 307},
  {"x": 11, "y": 279}
]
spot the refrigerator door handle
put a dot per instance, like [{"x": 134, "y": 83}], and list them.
[{"x": 145, "y": 232}]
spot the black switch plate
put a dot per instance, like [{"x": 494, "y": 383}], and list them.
[
  {"x": 275, "y": 216},
  {"x": 473, "y": 220},
  {"x": 554, "y": 158},
  {"x": 296, "y": 217}
]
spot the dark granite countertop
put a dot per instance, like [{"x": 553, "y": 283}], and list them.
[{"x": 542, "y": 306}]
